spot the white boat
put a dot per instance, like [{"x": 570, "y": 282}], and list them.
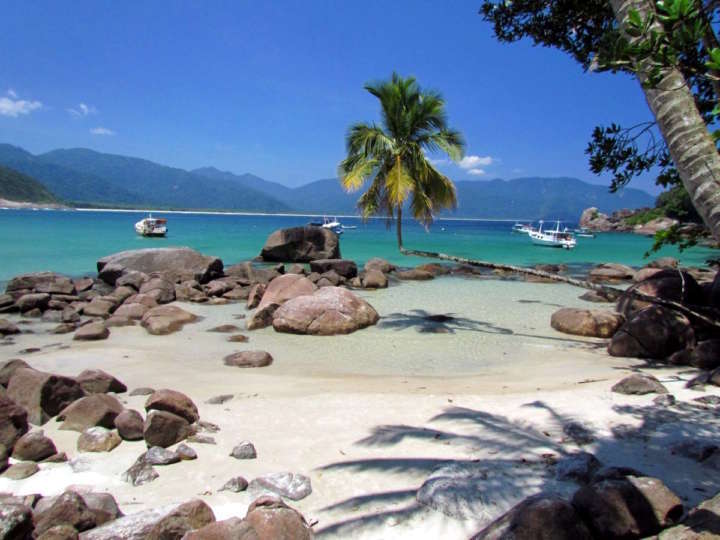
[
  {"x": 582, "y": 232},
  {"x": 522, "y": 228},
  {"x": 151, "y": 226},
  {"x": 553, "y": 238},
  {"x": 329, "y": 223}
]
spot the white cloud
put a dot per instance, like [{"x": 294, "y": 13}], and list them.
[
  {"x": 472, "y": 162},
  {"x": 438, "y": 161},
  {"x": 82, "y": 110},
  {"x": 13, "y": 107},
  {"x": 102, "y": 131},
  {"x": 476, "y": 172}
]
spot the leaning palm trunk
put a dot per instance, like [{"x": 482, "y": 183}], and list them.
[
  {"x": 691, "y": 147},
  {"x": 699, "y": 313}
]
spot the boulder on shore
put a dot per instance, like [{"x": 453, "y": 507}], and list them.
[
  {"x": 539, "y": 516},
  {"x": 43, "y": 395},
  {"x": 653, "y": 332},
  {"x": 174, "y": 402},
  {"x": 13, "y": 422},
  {"x": 328, "y": 311},
  {"x": 301, "y": 244},
  {"x": 166, "y": 319},
  {"x": 611, "y": 273},
  {"x": 279, "y": 291},
  {"x": 342, "y": 267},
  {"x": 179, "y": 261},
  {"x": 586, "y": 322}
]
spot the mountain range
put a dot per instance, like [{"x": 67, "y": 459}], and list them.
[{"x": 86, "y": 177}]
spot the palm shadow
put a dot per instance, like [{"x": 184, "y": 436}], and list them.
[
  {"x": 437, "y": 323},
  {"x": 518, "y": 459}
]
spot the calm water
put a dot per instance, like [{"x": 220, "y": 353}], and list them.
[{"x": 70, "y": 242}]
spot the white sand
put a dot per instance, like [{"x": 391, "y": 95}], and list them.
[{"x": 370, "y": 415}]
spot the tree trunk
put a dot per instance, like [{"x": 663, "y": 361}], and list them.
[
  {"x": 691, "y": 147},
  {"x": 399, "y": 227}
]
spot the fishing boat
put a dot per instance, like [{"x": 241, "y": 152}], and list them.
[
  {"x": 552, "y": 238},
  {"x": 582, "y": 232},
  {"x": 151, "y": 226},
  {"x": 522, "y": 228},
  {"x": 329, "y": 223}
]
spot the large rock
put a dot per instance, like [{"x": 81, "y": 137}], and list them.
[
  {"x": 28, "y": 302},
  {"x": 374, "y": 279},
  {"x": 179, "y": 261},
  {"x": 90, "y": 411},
  {"x": 163, "y": 320},
  {"x": 99, "y": 307},
  {"x": 706, "y": 354},
  {"x": 328, "y": 311},
  {"x": 33, "y": 446},
  {"x": 272, "y": 519},
  {"x": 174, "y": 402},
  {"x": 376, "y": 263},
  {"x": 537, "y": 518},
  {"x": 13, "y": 422},
  {"x": 248, "y": 359},
  {"x": 130, "y": 425},
  {"x": 98, "y": 439},
  {"x": 342, "y": 267},
  {"x": 653, "y": 332},
  {"x": 586, "y": 322},
  {"x": 168, "y": 522},
  {"x": 9, "y": 367},
  {"x": 159, "y": 288},
  {"x": 164, "y": 429},
  {"x": 248, "y": 273},
  {"x": 97, "y": 381},
  {"x": 43, "y": 395},
  {"x": 42, "y": 282},
  {"x": 183, "y": 519},
  {"x": 301, "y": 244},
  {"x": 68, "y": 508},
  {"x": 639, "y": 384},
  {"x": 701, "y": 523},
  {"x": 133, "y": 310},
  {"x": 612, "y": 273},
  {"x": 674, "y": 285},
  {"x": 16, "y": 521},
  {"x": 285, "y": 484},
  {"x": 279, "y": 291},
  {"x": 94, "y": 331},
  {"x": 7, "y": 328},
  {"x": 633, "y": 507},
  {"x": 228, "y": 529}
]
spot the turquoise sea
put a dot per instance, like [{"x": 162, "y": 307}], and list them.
[{"x": 71, "y": 241}]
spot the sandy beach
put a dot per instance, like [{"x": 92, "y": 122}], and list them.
[{"x": 369, "y": 416}]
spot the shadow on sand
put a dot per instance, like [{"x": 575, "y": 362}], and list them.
[{"x": 515, "y": 459}]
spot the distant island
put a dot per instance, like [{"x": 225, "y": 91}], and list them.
[{"x": 86, "y": 178}]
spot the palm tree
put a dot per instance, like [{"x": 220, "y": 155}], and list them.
[
  {"x": 392, "y": 155},
  {"x": 692, "y": 148}
]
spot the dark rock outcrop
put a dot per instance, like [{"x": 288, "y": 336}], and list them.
[
  {"x": 301, "y": 244},
  {"x": 653, "y": 332}
]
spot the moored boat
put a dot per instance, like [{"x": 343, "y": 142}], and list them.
[
  {"x": 553, "y": 238},
  {"x": 522, "y": 228},
  {"x": 584, "y": 233},
  {"x": 151, "y": 226},
  {"x": 329, "y": 223}
]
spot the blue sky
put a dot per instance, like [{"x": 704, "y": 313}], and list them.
[{"x": 271, "y": 87}]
